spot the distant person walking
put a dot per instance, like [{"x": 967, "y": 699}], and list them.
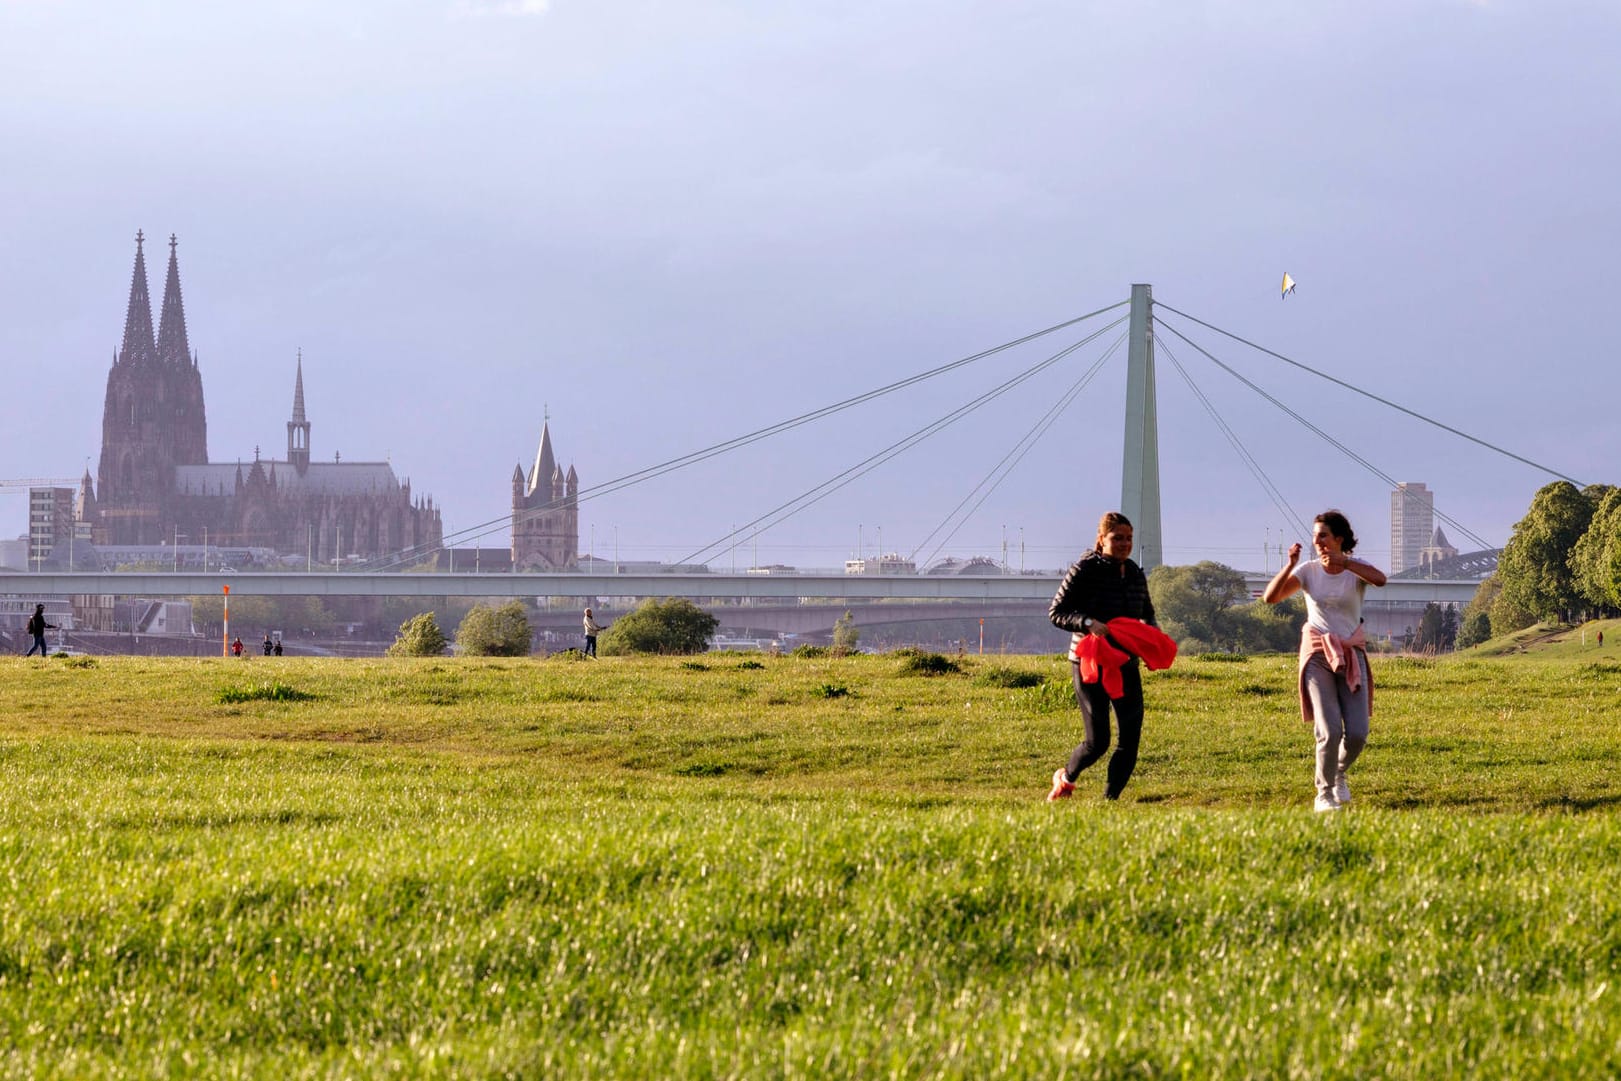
[
  {"x": 37, "y": 627},
  {"x": 236, "y": 648},
  {"x": 592, "y": 629},
  {"x": 1336, "y": 684},
  {"x": 269, "y": 645},
  {"x": 1102, "y": 585},
  {"x": 1601, "y": 639},
  {"x": 277, "y": 650}
]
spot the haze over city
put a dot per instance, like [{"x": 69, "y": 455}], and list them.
[{"x": 666, "y": 225}]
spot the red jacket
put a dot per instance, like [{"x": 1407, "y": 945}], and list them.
[{"x": 1102, "y": 658}]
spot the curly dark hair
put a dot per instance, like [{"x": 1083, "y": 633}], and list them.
[{"x": 1339, "y": 525}]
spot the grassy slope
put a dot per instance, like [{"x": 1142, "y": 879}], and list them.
[{"x": 641, "y": 868}]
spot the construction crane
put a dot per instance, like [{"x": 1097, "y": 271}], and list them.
[{"x": 39, "y": 482}]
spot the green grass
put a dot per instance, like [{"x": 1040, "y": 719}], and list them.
[{"x": 632, "y": 868}]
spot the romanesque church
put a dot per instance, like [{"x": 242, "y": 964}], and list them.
[
  {"x": 155, "y": 481},
  {"x": 545, "y": 512}
]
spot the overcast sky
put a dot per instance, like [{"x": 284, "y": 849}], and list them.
[{"x": 673, "y": 223}]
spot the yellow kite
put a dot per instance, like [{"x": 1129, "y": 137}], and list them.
[{"x": 1288, "y": 286}]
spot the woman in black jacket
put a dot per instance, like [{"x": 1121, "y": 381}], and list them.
[{"x": 1103, "y": 585}]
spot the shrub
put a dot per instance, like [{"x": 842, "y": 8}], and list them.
[
  {"x": 928, "y": 664},
  {"x": 751, "y": 664},
  {"x": 808, "y": 650},
  {"x": 494, "y": 632},
  {"x": 845, "y": 633},
  {"x": 419, "y": 636},
  {"x": 674, "y": 625},
  {"x": 999, "y": 676},
  {"x": 832, "y": 690}
]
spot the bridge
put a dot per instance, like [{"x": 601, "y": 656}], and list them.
[{"x": 811, "y": 600}]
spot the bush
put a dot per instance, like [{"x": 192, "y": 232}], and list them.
[
  {"x": 928, "y": 664},
  {"x": 999, "y": 676},
  {"x": 809, "y": 650},
  {"x": 674, "y": 625},
  {"x": 845, "y": 633},
  {"x": 494, "y": 632},
  {"x": 419, "y": 636}
]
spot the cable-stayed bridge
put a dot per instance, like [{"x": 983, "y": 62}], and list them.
[{"x": 1145, "y": 328}]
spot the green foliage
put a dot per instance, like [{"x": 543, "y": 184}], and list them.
[
  {"x": 1002, "y": 676},
  {"x": 419, "y": 636},
  {"x": 1222, "y": 658},
  {"x": 274, "y": 691},
  {"x": 928, "y": 664},
  {"x": 845, "y": 633},
  {"x": 79, "y": 662},
  {"x": 751, "y": 663},
  {"x": 1596, "y": 560},
  {"x": 1534, "y": 567},
  {"x": 1207, "y": 607},
  {"x": 1475, "y": 623},
  {"x": 831, "y": 690},
  {"x": 666, "y": 626},
  {"x": 809, "y": 650},
  {"x": 494, "y": 632}
]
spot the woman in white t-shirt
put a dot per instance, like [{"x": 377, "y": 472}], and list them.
[{"x": 1336, "y": 685}]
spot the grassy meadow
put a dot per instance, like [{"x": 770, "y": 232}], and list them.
[{"x": 800, "y": 867}]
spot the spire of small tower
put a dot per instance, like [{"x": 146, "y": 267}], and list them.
[
  {"x": 298, "y": 391},
  {"x": 173, "y": 348},
  {"x": 545, "y": 462},
  {"x": 138, "y": 343},
  {"x": 298, "y": 429}
]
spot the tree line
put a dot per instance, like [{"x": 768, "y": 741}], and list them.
[{"x": 1562, "y": 563}]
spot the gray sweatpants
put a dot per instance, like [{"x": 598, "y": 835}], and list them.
[{"x": 1341, "y": 718}]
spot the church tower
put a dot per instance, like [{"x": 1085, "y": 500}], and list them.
[
  {"x": 298, "y": 429},
  {"x": 153, "y": 417},
  {"x": 545, "y": 512}
]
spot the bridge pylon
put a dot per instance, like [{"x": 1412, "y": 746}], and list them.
[{"x": 1139, "y": 480}]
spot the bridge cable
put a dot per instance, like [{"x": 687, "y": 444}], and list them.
[
  {"x": 1254, "y": 466},
  {"x": 1368, "y": 394},
  {"x": 1026, "y": 442},
  {"x": 609, "y": 487},
  {"x": 820, "y": 491},
  {"x": 1347, "y": 451}
]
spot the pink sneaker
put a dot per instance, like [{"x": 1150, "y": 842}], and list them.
[{"x": 1062, "y": 788}]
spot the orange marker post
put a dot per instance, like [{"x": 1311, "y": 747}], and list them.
[{"x": 225, "y": 643}]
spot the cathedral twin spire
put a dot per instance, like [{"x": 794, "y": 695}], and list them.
[{"x": 170, "y": 343}]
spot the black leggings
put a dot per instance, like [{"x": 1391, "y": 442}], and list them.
[{"x": 1128, "y": 713}]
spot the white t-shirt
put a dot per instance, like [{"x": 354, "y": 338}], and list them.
[{"x": 1333, "y": 601}]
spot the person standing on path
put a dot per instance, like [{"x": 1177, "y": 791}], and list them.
[
  {"x": 37, "y": 627},
  {"x": 1103, "y": 585},
  {"x": 592, "y": 629},
  {"x": 1336, "y": 684}
]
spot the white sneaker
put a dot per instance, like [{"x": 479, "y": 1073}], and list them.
[
  {"x": 1325, "y": 804},
  {"x": 1342, "y": 791}
]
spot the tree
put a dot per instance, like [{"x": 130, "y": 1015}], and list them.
[
  {"x": 845, "y": 633},
  {"x": 1198, "y": 603},
  {"x": 1596, "y": 560},
  {"x": 1449, "y": 627},
  {"x": 419, "y": 636},
  {"x": 1475, "y": 624},
  {"x": 674, "y": 625},
  {"x": 494, "y": 632},
  {"x": 1428, "y": 638},
  {"x": 1534, "y": 567}
]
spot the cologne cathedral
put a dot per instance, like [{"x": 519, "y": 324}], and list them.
[{"x": 155, "y": 482}]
